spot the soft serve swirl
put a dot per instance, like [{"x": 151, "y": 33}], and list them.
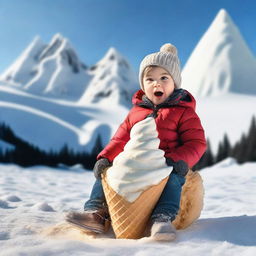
[{"x": 141, "y": 164}]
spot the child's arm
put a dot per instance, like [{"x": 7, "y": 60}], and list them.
[
  {"x": 117, "y": 143},
  {"x": 192, "y": 139}
]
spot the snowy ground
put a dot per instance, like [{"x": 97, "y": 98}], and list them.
[{"x": 34, "y": 200}]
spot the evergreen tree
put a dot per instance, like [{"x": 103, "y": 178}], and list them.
[
  {"x": 245, "y": 149},
  {"x": 224, "y": 149},
  {"x": 25, "y": 154},
  {"x": 97, "y": 148},
  {"x": 251, "y": 142}
]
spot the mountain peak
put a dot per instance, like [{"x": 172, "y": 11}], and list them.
[
  {"x": 20, "y": 71},
  {"x": 57, "y": 42},
  {"x": 114, "y": 81},
  {"x": 112, "y": 55},
  {"x": 57, "y": 36},
  {"x": 223, "y": 20},
  {"x": 37, "y": 40},
  {"x": 222, "y": 15},
  {"x": 55, "y": 70},
  {"x": 221, "y": 61},
  {"x": 112, "y": 50}
]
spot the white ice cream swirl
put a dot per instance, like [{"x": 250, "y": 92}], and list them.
[{"x": 141, "y": 164}]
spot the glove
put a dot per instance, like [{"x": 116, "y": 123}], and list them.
[
  {"x": 180, "y": 167},
  {"x": 100, "y": 166}
]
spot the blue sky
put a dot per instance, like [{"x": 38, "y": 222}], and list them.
[{"x": 134, "y": 27}]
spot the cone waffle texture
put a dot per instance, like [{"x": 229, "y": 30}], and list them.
[{"x": 129, "y": 220}]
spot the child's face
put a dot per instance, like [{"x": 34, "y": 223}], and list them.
[{"x": 158, "y": 85}]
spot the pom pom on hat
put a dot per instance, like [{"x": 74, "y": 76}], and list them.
[
  {"x": 166, "y": 58},
  {"x": 169, "y": 48}
]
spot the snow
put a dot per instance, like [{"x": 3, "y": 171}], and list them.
[
  {"x": 52, "y": 69},
  {"x": 114, "y": 81},
  {"x": 226, "y": 226},
  {"x": 49, "y": 98},
  {"x": 22, "y": 69},
  {"x": 221, "y": 62},
  {"x": 43, "y": 207},
  {"x": 230, "y": 113},
  {"x": 59, "y": 121},
  {"x": 13, "y": 198},
  {"x": 4, "y": 204},
  {"x": 79, "y": 126}
]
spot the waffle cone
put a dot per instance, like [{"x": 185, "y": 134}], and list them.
[
  {"x": 128, "y": 219},
  {"x": 191, "y": 203}
]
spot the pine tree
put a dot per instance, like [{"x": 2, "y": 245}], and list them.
[
  {"x": 251, "y": 142},
  {"x": 224, "y": 149},
  {"x": 97, "y": 146},
  {"x": 239, "y": 150}
]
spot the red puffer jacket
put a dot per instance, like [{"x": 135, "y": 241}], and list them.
[{"x": 179, "y": 128}]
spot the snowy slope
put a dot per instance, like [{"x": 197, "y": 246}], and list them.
[
  {"x": 230, "y": 113},
  {"x": 33, "y": 117},
  {"x": 114, "y": 81},
  {"x": 221, "y": 62},
  {"x": 50, "y": 124},
  {"x": 33, "y": 202}
]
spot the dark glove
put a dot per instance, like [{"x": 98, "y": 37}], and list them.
[
  {"x": 100, "y": 166},
  {"x": 180, "y": 167}
]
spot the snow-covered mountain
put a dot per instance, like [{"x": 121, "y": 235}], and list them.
[
  {"x": 50, "y": 122},
  {"x": 113, "y": 82},
  {"x": 53, "y": 69},
  {"x": 24, "y": 68},
  {"x": 33, "y": 202},
  {"x": 44, "y": 98},
  {"x": 221, "y": 62}
]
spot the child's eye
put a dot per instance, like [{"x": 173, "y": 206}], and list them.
[
  {"x": 164, "y": 78},
  {"x": 149, "y": 79}
]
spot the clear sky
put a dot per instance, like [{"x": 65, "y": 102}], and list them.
[{"x": 134, "y": 27}]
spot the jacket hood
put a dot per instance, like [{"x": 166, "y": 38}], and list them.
[{"x": 179, "y": 97}]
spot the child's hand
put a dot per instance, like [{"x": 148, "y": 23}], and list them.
[
  {"x": 180, "y": 167},
  {"x": 100, "y": 166}
]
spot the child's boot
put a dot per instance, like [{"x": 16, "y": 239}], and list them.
[
  {"x": 163, "y": 231},
  {"x": 97, "y": 221}
]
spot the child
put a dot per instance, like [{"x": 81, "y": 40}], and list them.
[{"x": 181, "y": 138}]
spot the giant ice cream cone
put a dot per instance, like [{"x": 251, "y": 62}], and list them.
[
  {"x": 135, "y": 181},
  {"x": 129, "y": 219}
]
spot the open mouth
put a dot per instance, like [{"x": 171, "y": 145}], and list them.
[{"x": 158, "y": 94}]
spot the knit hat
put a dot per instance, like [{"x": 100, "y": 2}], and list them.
[{"x": 168, "y": 59}]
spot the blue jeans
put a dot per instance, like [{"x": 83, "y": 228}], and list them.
[
  {"x": 97, "y": 198},
  {"x": 167, "y": 206}
]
